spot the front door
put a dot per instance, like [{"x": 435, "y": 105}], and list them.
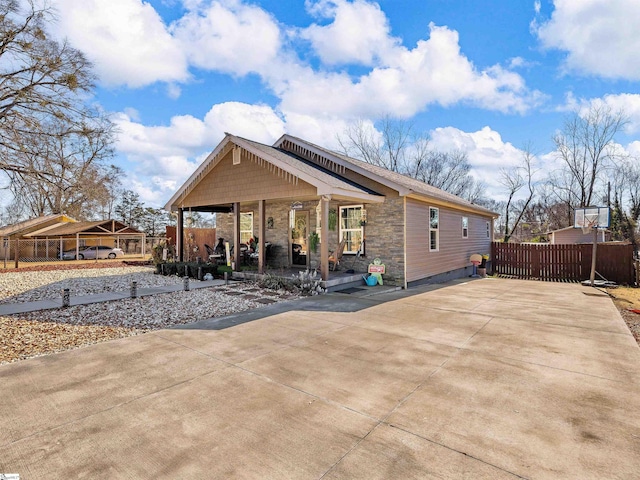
[{"x": 299, "y": 239}]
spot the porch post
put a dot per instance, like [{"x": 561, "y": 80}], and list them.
[
  {"x": 324, "y": 235},
  {"x": 179, "y": 234},
  {"x": 262, "y": 254},
  {"x": 236, "y": 235}
]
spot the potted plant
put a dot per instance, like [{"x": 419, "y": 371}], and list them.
[
  {"x": 482, "y": 268},
  {"x": 314, "y": 239}
]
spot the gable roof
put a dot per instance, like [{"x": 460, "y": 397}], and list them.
[
  {"x": 100, "y": 227},
  {"x": 295, "y": 167},
  {"x": 33, "y": 224},
  {"x": 403, "y": 184}
]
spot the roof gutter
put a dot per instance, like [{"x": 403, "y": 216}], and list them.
[{"x": 457, "y": 206}]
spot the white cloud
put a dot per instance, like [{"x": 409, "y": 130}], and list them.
[
  {"x": 161, "y": 158},
  {"x": 359, "y": 33},
  {"x": 634, "y": 149},
  {"x": 600, "y": 37},
  {"x": 255, "y": 122},
  {"x": 126, "y": 39},
  {"x": 131, "y": 46},
  {"x": 228, "y": 37},
  {"x": 434, "y": 72},
  {"x": 626, "y": 103},
  {"x": 487, "y": 154}
]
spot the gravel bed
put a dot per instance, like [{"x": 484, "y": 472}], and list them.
[
  {"x": 18, "y": 287},
  {"x": 49, "y": 331}
]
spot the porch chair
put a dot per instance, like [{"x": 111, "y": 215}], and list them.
[{"x": 336, "y": 256}]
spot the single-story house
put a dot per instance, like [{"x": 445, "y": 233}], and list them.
[
  {"x": 571, "y": 235},
  {"x": 297, "y": 195}
]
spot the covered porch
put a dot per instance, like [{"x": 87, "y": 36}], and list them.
[{"x": 267, "y": 199}]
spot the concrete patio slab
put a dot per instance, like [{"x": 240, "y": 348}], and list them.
[
  {"x": 57, "y": 389},
  {"x": 535, "y": 421},
  {"x": 363, "y": 370},
  {"x": 240, "y": 343},
  {"x": 227, "y": 424},
  {"x": 389, "y": 452},
  {"x": 425, "y": 323},
  {"x": 582, "y": 350},
  {"x": 479, "y": 379}
]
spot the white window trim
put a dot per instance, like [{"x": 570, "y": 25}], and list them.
[
  {"x": 437, "y": 230},
  {"x": 246, "y": 231},
  {"x": 488, "y": 230},
  {"x": 361, "y": 229},
  {"x": 465, "y": 231}
]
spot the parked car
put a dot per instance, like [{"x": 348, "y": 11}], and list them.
[{"x": 90, "y": 253}]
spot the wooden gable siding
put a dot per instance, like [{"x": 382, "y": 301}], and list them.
[
  {"x": 245, "y": 182},
  {"x": 344, "y": 172},
  {"x": 454, "y": 250}
]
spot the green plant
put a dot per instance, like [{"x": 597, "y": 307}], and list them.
[
  {"x": 333, "y": 219},
  {"x": 158, "y": 249},
  {"x": 314, "y": 239},
  {"x": 307, "y": 283},
  {"x": 274, "y": 282}
]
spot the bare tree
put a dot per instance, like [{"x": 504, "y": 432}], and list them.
[
  {"x": 586, "y": 147},
  {"x": 397, "y": 147},
  {"x": 385, "y": 148},
  {"x": 63, "y": 170},
  {"x": 513, "y": 180},
  {"x": 52, "y": 145}
]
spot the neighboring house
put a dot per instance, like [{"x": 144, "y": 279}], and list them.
[
  {"x": 43, "y": 238},
  {"x": 283, "y": 194},
  {"x": 571, "y": 235},
  {"x": 18, "y": 230}
]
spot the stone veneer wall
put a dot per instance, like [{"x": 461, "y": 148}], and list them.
[{"x": 384, "y": 234}]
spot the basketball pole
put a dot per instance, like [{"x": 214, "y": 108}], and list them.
[{"x": 593, "y": 256}]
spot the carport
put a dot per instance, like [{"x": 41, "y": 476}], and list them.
[{"x": 77, "y": 235}]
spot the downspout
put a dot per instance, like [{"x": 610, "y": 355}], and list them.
[{"x": 404, "y": 248}]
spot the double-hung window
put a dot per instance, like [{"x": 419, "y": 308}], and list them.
[
  {"x": 351, "y": 227},
  {"x": 246, "y": 227},
  {"x": 488, "y": 230},
  {"x": 465, "y": 227},
  {"x": 434, "y": 229}
]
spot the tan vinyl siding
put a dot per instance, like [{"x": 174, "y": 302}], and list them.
[
  {"x": 454, "y": 251},
  {"x": 574, "y": 235},
  {"x": 245, "y": 182}
]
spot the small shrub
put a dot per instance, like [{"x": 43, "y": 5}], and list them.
[
  {"x": 307, "y": 283},
  {"x": 273, "y": 282}
]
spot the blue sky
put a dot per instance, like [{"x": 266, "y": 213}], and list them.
[{"x": 486, "y": 77}]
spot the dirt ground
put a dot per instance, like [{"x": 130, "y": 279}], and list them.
[{"x": 627, "y": 299}]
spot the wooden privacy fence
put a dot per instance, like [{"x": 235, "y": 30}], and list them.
[{"x": 614, "y": 261}]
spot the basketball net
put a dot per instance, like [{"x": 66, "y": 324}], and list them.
[{"x": 590, "y": 221}]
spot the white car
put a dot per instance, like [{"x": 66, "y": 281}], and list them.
[{"x": 90, "y": 253}]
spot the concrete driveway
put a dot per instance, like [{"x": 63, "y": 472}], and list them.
[{"x": 486, "y": 379}]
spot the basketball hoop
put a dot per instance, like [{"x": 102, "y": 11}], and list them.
[{"x": 590, "y": 221}]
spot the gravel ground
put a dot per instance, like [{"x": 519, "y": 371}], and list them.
[
  {"x": 49, "y": 331},
  {"x": 18, "y": 287}
]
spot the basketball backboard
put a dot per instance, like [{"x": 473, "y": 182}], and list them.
[{"x": 591, "y": 217}]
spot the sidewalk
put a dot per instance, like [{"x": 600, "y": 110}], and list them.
[{"x": 50, "y": 304}]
